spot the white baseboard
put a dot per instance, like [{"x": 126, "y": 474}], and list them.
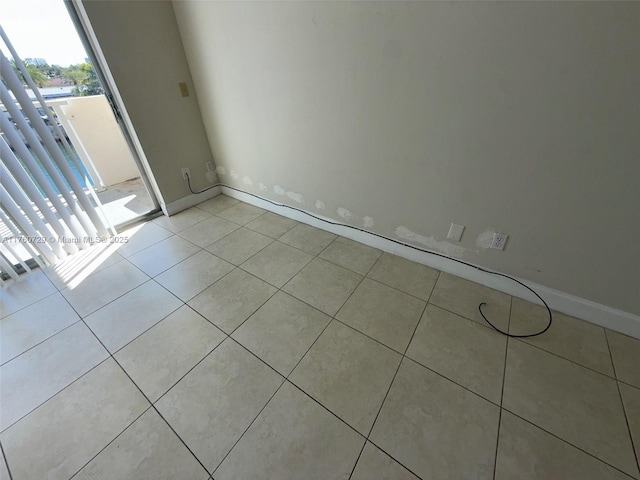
[
  {"x": 618, "y": 320},
  {"x": 189, "y": 201}
]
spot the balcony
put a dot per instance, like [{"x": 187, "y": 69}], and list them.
[
  {"x": 107, "y": 164},
  {"x": 92, "y": 130}
]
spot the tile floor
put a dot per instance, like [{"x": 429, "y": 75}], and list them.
[
  {"x": 228, "y": 342},
  {"x": 126, "y": 201}
]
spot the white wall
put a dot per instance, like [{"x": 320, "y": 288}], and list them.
[
  {"x": 142, "y": 46},
  {"x": 93, "y": 131},
  {"x": 509, "y": 116}
]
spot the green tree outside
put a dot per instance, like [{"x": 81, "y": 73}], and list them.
[{"x": 82, "y": 76}]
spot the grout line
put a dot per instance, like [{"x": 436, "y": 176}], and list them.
[
  {"x": 567, "y": 442},
  {"x": 529, "y": 343},
  {"x": 4, "y": 456},
  {"x": 504, "y": 375},
  {"x": 453, "y": 381},
  {"x": 358, "y": 459},
  {"x": 110, "y": 442},
  {"x": 626, "y": 419},
  {"x": 250, "y": 424},
  {"x": 624, "y": 407},
  {"x": 118, "y": 297},
  {"x": 55, "y": 394},
  {"x": 613, "y": 364},
  {"x": 394, "y": 459},
  {"x": 248, "y": 316},
  {"x": 246, "y": 259},
  {"x": 40, "y": 342},
  {"x": 3, "y": 316},
  {"x": 375, "y": 339},
  {"x": 286, "y": 379},
  {"x": 287, "y": 281},
  {"x": 192, "y": 368},
  {"x": 563, "y": 358},
  {"x": 384, "y": 399},
  {"x": 482, "y": 324},
  {"x": 150, "y": 327},
  {"x": 151, "y": 404},
  {"x": 170, "y": 266}
]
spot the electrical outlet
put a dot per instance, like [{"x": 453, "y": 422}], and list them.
[
  {"x": 209, "y": 166},
  {"x": 186, "y": 173},
  {"x": 455, "y": 232},
  {"x": 499, "y": 241}
]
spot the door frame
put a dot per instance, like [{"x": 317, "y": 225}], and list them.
[{"x": 90, "y": 42}]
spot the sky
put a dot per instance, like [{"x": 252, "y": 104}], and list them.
[{"x": 41, "y": 29}]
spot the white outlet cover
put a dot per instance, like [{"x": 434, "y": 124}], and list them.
[
  {"x": 499, "y": 241},
  {"x": 455, "y": 232}
]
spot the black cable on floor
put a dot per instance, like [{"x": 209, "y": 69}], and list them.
[{"x": 330, "y": 222}]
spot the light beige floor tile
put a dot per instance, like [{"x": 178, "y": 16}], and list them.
[
  {"x": 208, "y": 231},
  {"x": 239, "y": 246},
  {"x": 348, "y": 373},
  {"x": 631, "y": 402},
  {"x": 281, "y": 331},
  {"x": 626, "y": 357},
  {"x": 82, "y": 264},
  {"x": 576, "y": 404},
  {"x": 103, "y": 287},
  {"x": 61, "y": 436},
  {"x": 436, "y": 428},
  {"x": 147, "y": 450},
  {"x": 293, "y": 438},
  {"x": 140, "y": 237},
  {"x": 157, "y": 359},
  {"x": 374, "y": 463},
  {"x": 410, "y": 277},
  {"x": 241, "y": 213},
  {"x": 461, "y": 350},
  {"x": 526, "y": 452},
  {"x": 352, "y": 255},
  {"x": 277, "y": 263},
  {"x": 232, "y": 300},
  {"x": 191, "y": 276},
  {"x": 35, "y": 376},
  {"x": 34, "y": 324},
  {"x": 307, "y": 238},
  {"x": 183, "y": 220},
  {"x": 217, "y": 204},
  {"x": 272, "y": 225},
  {"x": 323, "y": 285},
  {"x": 163, "y": 255},
  {"x": 127, "y": 317},
  {"x": 212, "y": 406},
  {"x": 28, "y": 289},
  {"x": 573, "y": 339},
  {"x": 463, "y": 297},
  {"x": 383, "y": 313}
]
